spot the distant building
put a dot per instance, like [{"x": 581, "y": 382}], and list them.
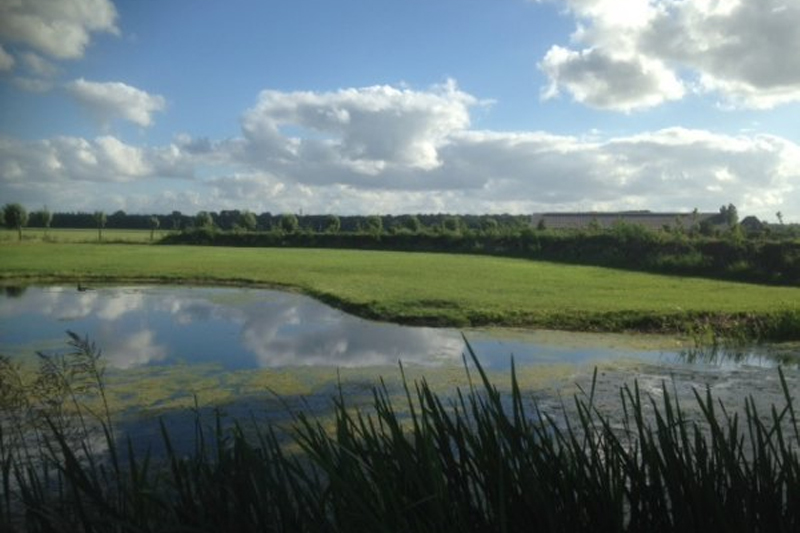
[{"x": 605, "y": 220}]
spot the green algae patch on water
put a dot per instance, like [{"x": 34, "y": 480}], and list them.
[
  {"x": 625, "y": 342},
  {"x": 281, "y": 382},
  {"x": 183, "y": 386},
  {"x": 163, "y": 388}
]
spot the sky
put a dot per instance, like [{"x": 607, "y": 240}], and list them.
[{"x": 401, "y": 106}]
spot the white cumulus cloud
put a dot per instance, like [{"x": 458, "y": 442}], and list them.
[
  {"x": 640, "y": 53},
  {"x": 296, "y": 152},
  {"x": 362, "y": 131},
  {"x": 38, "y": 66},
  {"x": 61, "y": 29},
  {"x": 75, "y": 159},
  {"x": 622, "y": 83},
  {"x": 134, "y": 350},
  {"x": 110, "y": 100}
]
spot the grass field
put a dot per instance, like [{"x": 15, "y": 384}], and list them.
[
  {"x": 80, "y": 235},
  {"x": 439, "y": 289}
]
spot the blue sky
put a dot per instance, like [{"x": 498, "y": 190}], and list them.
[{"x": 389, "y": 106}]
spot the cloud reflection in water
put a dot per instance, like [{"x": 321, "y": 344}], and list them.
[
  {"x": 308, "y": 333},
  {"x": 236, "y": 328}
]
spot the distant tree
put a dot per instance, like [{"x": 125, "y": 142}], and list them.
[
  {"x": 247, "y": 221},
  {"x": 631, "y": 232},
  {"x": 15, "y": 217},
  {"x": 412, "y": 224},
  {"x": 780, "y": 217},
  {"x": 203, "y": 219},
  {"x": 678, "y": 225},
  {"x": 117, "y": 219},
  {"x": 47, "y": 219},
  {"x": 154, "y": 223},
  {"x": 489, "y": 225},
  {"x": 695, "y": 228},
  {"x": 736, "y": 233},
  {"x": 594, "y": 225},
  {"x": 177, "y": 217},
  {"x": 374, "y": 225},
  {"x": 332, "y": 224},
  {"x": 44, "y": 218},
  {"x": 730, "y": 215},
  {"x": 452, "y": 223},
  {"x": 100, "y": 220},
  {"x": 707, "y": 227},
  {"x": 541, "y": 226},
  {"x": 289, "y": 223},
  {"x": 229, "y": 219}
]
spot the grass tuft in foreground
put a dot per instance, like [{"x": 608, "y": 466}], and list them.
[{"x": 479, "y": 461}]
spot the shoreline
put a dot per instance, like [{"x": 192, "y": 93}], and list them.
[
  {"x": 437, "y": 290},
  {"x": 704, "y": 328}
]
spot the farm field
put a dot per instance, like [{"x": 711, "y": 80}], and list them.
[{"x": 420, "y": 288}]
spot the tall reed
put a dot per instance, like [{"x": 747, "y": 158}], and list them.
[{"x": 480, "y": 460}]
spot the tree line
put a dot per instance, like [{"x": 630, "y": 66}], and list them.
[
  {"x": 725, "y": 249},
  {"x": 16, "y": 217}
]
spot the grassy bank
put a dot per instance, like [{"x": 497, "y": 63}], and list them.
[
  {"x": 483, "y": 461},
  {"x": 436, "y": 289},
  {"x": 732, "y": 257}
]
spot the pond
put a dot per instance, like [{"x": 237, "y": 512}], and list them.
[{"x": 167, "y": 347}]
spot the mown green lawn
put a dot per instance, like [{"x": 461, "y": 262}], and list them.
[{"x": 407, "y": 287}]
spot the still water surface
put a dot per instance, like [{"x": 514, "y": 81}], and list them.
[
  {"x": 239, "y": 329},
  {"x": 165, "y": 346}
]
